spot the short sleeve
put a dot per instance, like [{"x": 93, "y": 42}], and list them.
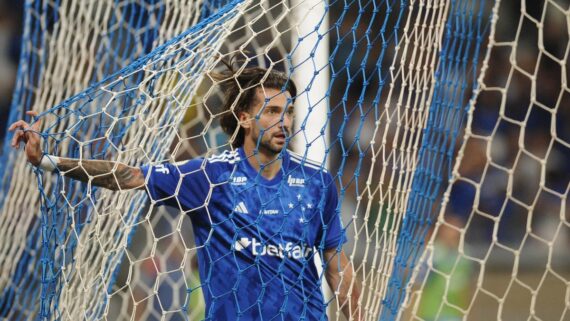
[
  {"x": 184, "y": 185},
  {"x": 333, "y": 233}
]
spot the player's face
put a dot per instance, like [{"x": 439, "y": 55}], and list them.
[{"x": 272, "y": 120}]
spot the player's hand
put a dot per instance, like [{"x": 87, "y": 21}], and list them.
[{"x": 29, "y": 135}]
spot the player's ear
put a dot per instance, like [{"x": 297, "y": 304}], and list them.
[{"x": 244, "y": 119}]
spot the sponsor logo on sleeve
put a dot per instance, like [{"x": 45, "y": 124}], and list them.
[
  {"x": 295, "y": 181},
  {"x": 162, "y": 169},
  {"x": 239, "y": 180}
]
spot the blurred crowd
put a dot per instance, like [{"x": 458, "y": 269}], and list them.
[{"x": 523, "y": 130}]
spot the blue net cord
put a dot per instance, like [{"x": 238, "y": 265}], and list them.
[
  {"x": 22, "y": 97},
  {"x": 448, "y": 109},
  {"x": 13, "y": 293},
  {"x": 16, "y": 294},
  {"x": 128, "y": 78},
  {"x": 466, "y": 28}
]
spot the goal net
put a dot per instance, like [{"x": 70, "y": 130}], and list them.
[
  {"x": 497, "y": 250},
  {"x": 441, "y": 124}
]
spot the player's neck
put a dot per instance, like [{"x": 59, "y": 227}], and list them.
[{"x": 263, "y": 158}]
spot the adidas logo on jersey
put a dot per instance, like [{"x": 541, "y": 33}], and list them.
[
  {"x": 293, "y": 181},
  {"x": 240, "y": 208},
  {"x": 289, "y": 250},
  {"x": 239, "y": 180}
]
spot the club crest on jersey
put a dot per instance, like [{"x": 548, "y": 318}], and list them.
[
  {"x": 239, "y": 180},
  {"x": 287, "y": 250},
  {"x": 294, "y": 181}
]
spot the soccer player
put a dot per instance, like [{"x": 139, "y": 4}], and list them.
[{"x": 260, "y": 213}]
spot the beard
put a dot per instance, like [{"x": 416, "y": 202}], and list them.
[
  {"x": 266, "y": 144},
  {"x": 272, "y": 148}
]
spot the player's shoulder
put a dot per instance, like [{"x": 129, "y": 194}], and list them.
[
  {"x": 227, "y": 157},
  {"x": 304, "y": 172},
  {"x": 210, "y": 164},
  {"x": 308, "y": 165}
]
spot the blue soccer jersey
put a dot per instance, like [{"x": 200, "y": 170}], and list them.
[{"x": 256, "y": 238}]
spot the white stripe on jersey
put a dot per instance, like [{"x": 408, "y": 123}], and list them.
[
  {"x": 180, "y": 163},
  {"x": 227, "y": 156},
  {"x": 306, "y": 162},
  {"x": 304, "y": 159}
]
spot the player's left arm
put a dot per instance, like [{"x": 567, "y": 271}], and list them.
[{"x": 340, "y": 276}]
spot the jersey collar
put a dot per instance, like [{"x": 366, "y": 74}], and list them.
[{"x": 254, "y": 174}]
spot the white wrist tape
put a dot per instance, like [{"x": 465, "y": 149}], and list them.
[{"x": 49, "y": 163}]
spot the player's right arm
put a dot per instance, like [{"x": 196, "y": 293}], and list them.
[{"x": 106, "y": 174}]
